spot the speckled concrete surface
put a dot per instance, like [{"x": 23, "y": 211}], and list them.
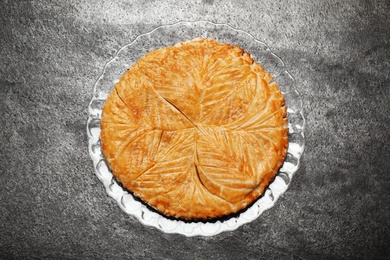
[{"x": 52, "y": 205}]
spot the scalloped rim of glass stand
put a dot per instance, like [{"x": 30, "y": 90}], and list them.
[{"x": 151, "y": 218}]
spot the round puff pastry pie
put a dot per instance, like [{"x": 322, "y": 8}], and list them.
[{"x": 196, "y": 130}]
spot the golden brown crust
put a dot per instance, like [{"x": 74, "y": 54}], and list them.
[{"x": 195, "y": 130}]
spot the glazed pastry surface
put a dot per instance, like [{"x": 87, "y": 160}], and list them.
[{"x": 196, "y": 130}]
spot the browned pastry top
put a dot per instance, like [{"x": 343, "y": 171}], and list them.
[{"x": 195, "y": 130}]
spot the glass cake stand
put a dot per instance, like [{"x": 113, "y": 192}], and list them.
[{"x": 167, "y": 35}]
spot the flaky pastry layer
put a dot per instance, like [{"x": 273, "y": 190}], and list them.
[{"x": 196, "y": 130}]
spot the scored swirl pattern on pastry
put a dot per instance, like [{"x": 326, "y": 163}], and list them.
[{"x": 196, "y": 130}]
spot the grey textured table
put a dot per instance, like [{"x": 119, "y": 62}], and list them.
[{"x": 52, "y": 205}]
